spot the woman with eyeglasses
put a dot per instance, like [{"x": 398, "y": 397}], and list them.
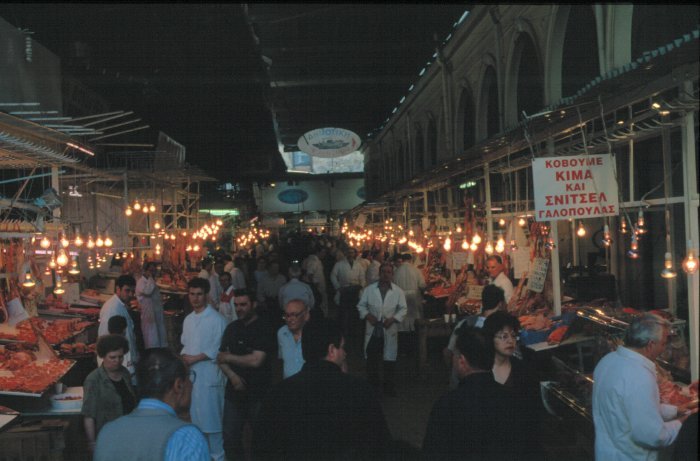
[
  {"x": 107, "y": 391},
  {"x": 516, "y": 379}
]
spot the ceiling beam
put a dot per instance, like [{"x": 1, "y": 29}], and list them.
[{"x": 379, "y": 80}]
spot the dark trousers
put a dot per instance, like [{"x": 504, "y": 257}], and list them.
[
  {"x": 348, "y": 315},
  {"x": 236, "y": 414},
  {"x": 374, "y": 362}
]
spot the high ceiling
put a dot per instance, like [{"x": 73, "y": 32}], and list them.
[{"x": 219, "y": 78}]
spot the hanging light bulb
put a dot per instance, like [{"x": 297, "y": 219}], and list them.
[
  {"x": 90, "y": 242},
  {"x": 152, "y": 208},
  {"x": 189, "y": 247},
  {"x": 195, "y": 247},
  {"x": 690, "y": 263},
  {"x": 118, "y": 255},
  {"x": 513, "y": 246},
  {"x": 465, "y": 244},
  {"x": 476, "y": 238},
  {"x": 128, "y": 211},
  {"x": 668, "y": 272},
  {"x": 502, "y": 222},
  {"x": 549, "y": 244},
  {"x": 64, "y": 241},
  {"x": 458, "y": 229},
  {"x": 45, "y": 243},
  {"x": 145, "y": 208},
  {"x": 581, "y": 231},
  {"x": 78, "y": 241},
  {"x": 58, "y": 289},
  {"x": 99, "y": 243},
  {"x": 623, "y": 225},
  {"x": 448, "y": 244},
  {"x": 74, "y": 270},
  {"x": 640, "y": 222},
  {"x": 606, "y": 236},
  {"x": 108, "y": 241},
  {"x": 137, "y": 205},
  {"x": 28, "y": 280},
  {"x": 473, "y": 246},
  {"x": 156, "y": 225},
  {"x": 522, "y": 221},
  {"x": 634, "y": 244},
  {"x": 500, "y": 246},
  {"x": 62, "y": 258},
  {"x": 489, "y": 247},
  {"x": 52, "y": 263}
]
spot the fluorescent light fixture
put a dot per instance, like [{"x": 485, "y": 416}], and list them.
[
  {"x": 222, "y": 212},
  {"x": 467, "y": 185},
  {"x": 422, "y": 71}
]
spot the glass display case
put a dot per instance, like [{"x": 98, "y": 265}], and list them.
[{"x": 569, "y": 393}]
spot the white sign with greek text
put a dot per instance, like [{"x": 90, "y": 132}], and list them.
[
  {"x": 537, "y": 275},
  {"x": 579, "y": 187}
]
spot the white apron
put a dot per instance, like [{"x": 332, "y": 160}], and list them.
[{"x": 394, "y": 305}]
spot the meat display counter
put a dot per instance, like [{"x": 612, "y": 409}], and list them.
[{"x": 569, "y": 394}]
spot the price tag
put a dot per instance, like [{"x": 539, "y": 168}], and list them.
[{"x": 538, "y": 275}]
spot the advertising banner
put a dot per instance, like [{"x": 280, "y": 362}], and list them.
[{"x": 578, "y": 187}]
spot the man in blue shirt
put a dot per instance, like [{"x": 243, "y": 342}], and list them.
[
  {"x": 296, "y": 314},
  {"x": 153, "y": 430}
]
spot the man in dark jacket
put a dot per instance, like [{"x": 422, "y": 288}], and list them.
[
  {"x": 470, "y": 422},
  {"x": 321, "y": 412}
]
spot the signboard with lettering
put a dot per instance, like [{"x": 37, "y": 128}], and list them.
[
  {"x": 474, "y": 291},
  {"x": 579, "y": 187},
  {"x": 537, "y": 275},
  {"x": 329, "y": 142},
  {"x": 459, "y": 259}
]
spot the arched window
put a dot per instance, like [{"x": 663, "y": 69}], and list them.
[
  {"x": 466, "y": 119},
  {"x": 490, "y": 95},
  {"x": 432, "y": 142},
  {"x": 580, "y": 52},
  {"x": 530, "y": 86},
  {"x": 419, "y": 150}
]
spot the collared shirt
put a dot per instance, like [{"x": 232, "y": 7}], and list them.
[
  {"x": 314, "y": 268},
  {"x": 289, "y": 351},
  {"x": 503, "y": 282},
  {"x": 296, "y": 289},
  {"x": 630, "y": 421},
  {"x": 114, "y": 306},
  {"x": 409, "y": 278},
  {"x": 345, "y": 274},
  {"x": 269, "y": 286},
  {"x": 185, "y": 443}
]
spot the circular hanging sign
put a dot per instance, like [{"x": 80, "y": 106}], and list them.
[
  {"x": 292, "y": 196},
  {"x": 329, "y": 142}
]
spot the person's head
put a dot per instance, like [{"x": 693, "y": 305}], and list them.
[
  {"x": 197, "y": 291},
  {"x": 378, "y": 255},
  {"x": 116, "y": 325},
  {"x": 244, "y": 303},
  {"x": 150, "y": 268},
  {"x": 111, "y": 349},
  {"x": 648, "y": 334},
  {"x": 219, "y": 266},
  {"x": 339, "y": 255},
  {"x": 226, "y": 258},
  {"x": 502, "y": 329},
  {"x": 351, "y": 253},
  {"x": 406, "y": 258},
  {"x": 125, "y": 288},
  {"x": 492, "y": 297},
  {"x": 296, "y": 314},
  {"x": 225, "y": 280},
  {"x": 294, "y": 271},
  {"x": 273, "y": 268},
  {"x": 494, "y": 265},
  {"x": 471, "y": 276},
  {"x": 164, "y": 376},
  {"x": 207, "y": 264},
  {"x": 473, "y": 353},
  {"x": 261, "y": 264},
  {"x": 323, "y": 340},
  {"x": 386, "y": 273}
]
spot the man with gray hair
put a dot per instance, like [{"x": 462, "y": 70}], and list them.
[
  {"x": 295, "y": 289},
  {"x": 630, "y": 420}
]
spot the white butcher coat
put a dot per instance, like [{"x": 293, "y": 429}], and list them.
[
  {"x": 114, "y": 306},
  {"x": 394, "y": 305},
  {"x": 411, "y": 281},
  {"x": 152, "y": 321},
  {"x": 201, "y": 333}
]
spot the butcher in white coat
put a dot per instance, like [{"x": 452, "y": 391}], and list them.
[
  {"x": 383, "y": 303},
  {"x": 151, "y": 304},
  {"x": 201, "y": 338}
]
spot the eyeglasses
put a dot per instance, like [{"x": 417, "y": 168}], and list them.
[
  {"x": 506, "y": 336},
  {"x": 293, "y": 315},
  {"x": 192, "y": 375}
]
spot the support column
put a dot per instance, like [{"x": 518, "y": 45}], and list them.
[
  {"x": 487, "y": 193},
  {"x": 556, "y": 279},
  {"x": 55, "y": 183},
  {"x": 692, "y": 201}
]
